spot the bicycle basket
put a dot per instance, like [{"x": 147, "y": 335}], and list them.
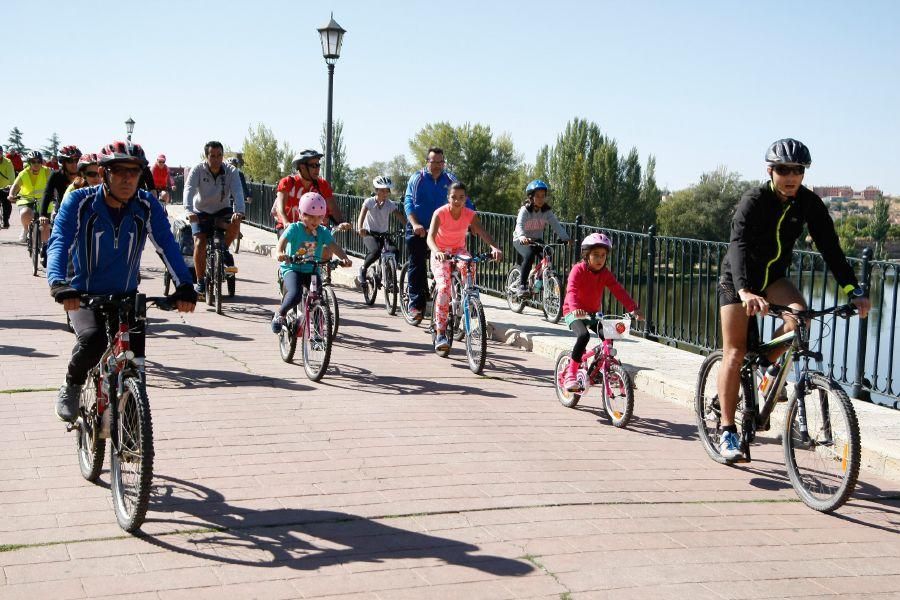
[{"x": 615, "y": 328}]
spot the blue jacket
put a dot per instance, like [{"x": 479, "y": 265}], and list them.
[
  {"x": 424, "y": 195},
  {"x": 90, "y": 253}
]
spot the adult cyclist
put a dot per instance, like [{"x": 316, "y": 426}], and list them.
[
  {"x": 56, "y": 188},
  {"x": 28, "y": 189},
  {"x": 96, "y": 248},
  {"x": 766, "y": 224},
  {"x": 306, "y": 179},
  {"x": 7, "y": 177}
]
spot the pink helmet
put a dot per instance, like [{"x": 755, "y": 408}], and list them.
[
  {"x": 596, "y": 239},
  {"x": 312, "y": 203},
  {"x": 161, "y": 157}
]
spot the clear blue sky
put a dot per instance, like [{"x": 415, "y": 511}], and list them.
[{"x": 697, "y": 84}]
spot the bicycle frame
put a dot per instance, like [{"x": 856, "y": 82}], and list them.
[
  {"x": 602, "y": 355},
  {"x": 469, "y": 289}
]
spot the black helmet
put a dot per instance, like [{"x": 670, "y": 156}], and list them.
[
  {"x": 304, "y": 157},
  {"x": 788, "y": 152}
]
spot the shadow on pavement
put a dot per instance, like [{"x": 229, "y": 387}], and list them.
[
  {"x": 297, "y": 538},
  {"x": 32, "y": 324},
  {"x": 156, "y": 327},
  {"x": 363, "y": 380},
  {"x": 23, "y": 351},
  {"x": 160, "y": 375}
]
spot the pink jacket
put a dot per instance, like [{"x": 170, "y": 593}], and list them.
[{"x": 584, "y": 289}]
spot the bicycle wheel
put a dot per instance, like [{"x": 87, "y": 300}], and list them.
[
  {"x": 403, "y": 293},
  {"x": 210, "y": 277},
  {"x": 389, "y": 285},
  {"x": 565, "y": 397},
  {"x": 515, "y": 302},
  {"x": 823, "y": 464},
  {"x": 91, "y": 447},
  {"x": 317, "y": 341},
  {"x": 551, "y": 297},
  {"x": 618, "y": 395},
  {"x": 219, "y": 270},
  {"x": 458, "y": 329},
  {"x": 707, "y": 410},
  {"x": 131, "y": 459},
  {"x": 35, "y": 249},
  {"x": 287, "y": 339},
  {"x": 332, "y": 302},
  {"x": 369, "y": 287},
  {"x": 476, "y": 340}
]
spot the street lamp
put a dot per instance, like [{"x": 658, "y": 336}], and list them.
[
  {"x": 332, "y": 36},
  {"x": 129, "y": 127}
]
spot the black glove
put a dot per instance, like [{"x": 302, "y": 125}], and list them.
[
  {"x": 186, "y": 293},
  {"x": 63, "y": 291}
]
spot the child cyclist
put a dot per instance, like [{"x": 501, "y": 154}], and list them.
[
  {"x": 446, "y": 237},
  {"x": 533, "y": 218},
  {"x": 375, "y": 217},
  {"x": 305, "y": 237},
  {"x": 584, "y": 293}
]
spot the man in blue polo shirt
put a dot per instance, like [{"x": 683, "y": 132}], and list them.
[{"x": 426, "y": 192}]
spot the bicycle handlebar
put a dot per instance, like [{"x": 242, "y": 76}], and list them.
[
  {"x": 484, "y": 256},
  {"x": 132, "y": 301},
  {"x": 841, "y": 310}
]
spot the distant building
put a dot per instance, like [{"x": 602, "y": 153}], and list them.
[{"x": 841, "y": 191}]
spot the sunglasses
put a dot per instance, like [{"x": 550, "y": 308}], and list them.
[
  {"x": 92, "y": 173},
  {"x": 789, "y": 170},
  {"x": 125, "y": 171},
  {"x": 313, "y": 165}
]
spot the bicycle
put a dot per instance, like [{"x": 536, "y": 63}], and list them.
[
  {"x": 821, "y": 449},
  {"x": 311, "y": 319},
  {"x": 330, "y": 296},
  {"x": 466, "y": 313},
  {"x": 114, "y": 405},
  {"x": 599, "y": 365},
  {"x": 33, "y": 240},
  {"x": 382, "y": 274},
  {"x": 217, "y": 273},
  {"x": 542, "y": 283}
]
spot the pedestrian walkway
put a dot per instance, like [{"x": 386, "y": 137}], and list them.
[{"x": 399, "y": 475}]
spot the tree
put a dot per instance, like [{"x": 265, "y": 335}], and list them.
[
  {"x": 704, "y": 210},
  {"x": 880, "y": 225},
  {"x": 398, "y": 169},
  {"x": 15, "y": 141},
  {"x": 263, "y": 159},
  {"x": 52, "y": 147},
  {"x": 340, "y": 170},
  {"x": 650, "y": 195}
]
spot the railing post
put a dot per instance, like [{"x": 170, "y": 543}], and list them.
[
  {"x": 576, "y": 247},
  {"x": 651, "y": 281},
  {"x": 857, "y": 391}
]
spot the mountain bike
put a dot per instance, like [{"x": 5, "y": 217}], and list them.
[
  {"x": 466, "y": 313},
  {"x": 217, "y": 271},
  {"x": 311, "y": 321},
  {"x": 114, "y": 404},
  {"x": 382, "y": 274},
  {"x": 543, "y": 285},
  {"x": 599, "y": 365},
  {"x": 820, "y": 432}
]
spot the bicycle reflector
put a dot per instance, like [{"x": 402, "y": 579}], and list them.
[{"x": 620, "y": 327}]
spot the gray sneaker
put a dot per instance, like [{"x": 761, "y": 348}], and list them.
[
  {"x": 67, "y": 403},
  {"x": 441, "y": 343}
]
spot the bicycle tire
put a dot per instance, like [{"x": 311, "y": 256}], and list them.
[
  {"x": 458, "y": 329},
  {"x": 369, "y": 287},
  {"x": 404, "y": 296},
  {"x": 287, "y": 338},
  {"x": 90, "y": 446},
  {"x": 209, "y": 277},
  {"x": 515, "y": 302},
  {"x": 476, "y": 337},
  {"x": 565, "y": 397},
  {"x": 333, "y": 308},
  {"x": 619, "y": 404},
  {"x": 167, "y": 282},
  {"x": 219, "y": 270},
  {"x": 389, "y": 285},
  {"x": 317, "y": 341},
  {"x": 35, "y": 250},
  {"x": 708, "y": 411},
  {"x": 551, "y": 298},
  {"x": 839, "y": 448},
  {"x": 132, "y": 448}
]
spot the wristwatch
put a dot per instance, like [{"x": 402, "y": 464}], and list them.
[{"x": 857, "y": 292}]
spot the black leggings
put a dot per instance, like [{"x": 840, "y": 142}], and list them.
[
  {"x": 91, "y": 342},
  {"x": 7, "y": 206},
  {"x": 579, "y": 328},
  {"x": 373, "y": 251},
  {"x": 293, "y": 284},
  {"x": 528, "y": 258}
]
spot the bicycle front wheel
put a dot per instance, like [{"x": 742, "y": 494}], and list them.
[
  {"x": 552, "y": 298},
  {"x": 220, "y": 277},
  {"x": 91, "y": 447},
  {"x": 822, "y": 445},
  {"x": 369, "y": 288},
  {"x": 618, "y": 395},
  {"x": 404, "y": 295},
  {"x": 515, "y": 302},
  {"x": 331, "y": 300},
  {"x": 708, "y": 411},
  {"x": 287, "y": 337},
  {"x": 317, "y": 341},
  {"x": 476, "y": 337},
  {"x": 131, "y": 460},
  {"x": 389, "y": 285},
  {"x": 35, "y": 249},
  {"x": 459, "y": 329}
]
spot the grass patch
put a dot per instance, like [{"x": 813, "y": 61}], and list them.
[{"x": 25, "y": 390}]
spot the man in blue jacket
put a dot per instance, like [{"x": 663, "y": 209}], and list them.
[
  {"x": 96, "y": 248},
  {"x": 425, "y": 193}
]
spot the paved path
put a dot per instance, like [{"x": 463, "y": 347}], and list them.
[{"x": 400, "y": 475}]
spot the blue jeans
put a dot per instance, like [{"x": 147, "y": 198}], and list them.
[{"x": 417, "y": 274}]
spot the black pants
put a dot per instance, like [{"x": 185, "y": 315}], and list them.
[
  {"x": 7, "y": 206},
  {"x": 529, "y": 255},
  {"x": 373, "y": 251},
  {"x": 583, "y": 335},
  {"x": 418, "y": 271},
  {"x": 293, "y": 284},
  {"x": 91, "y": 342}
]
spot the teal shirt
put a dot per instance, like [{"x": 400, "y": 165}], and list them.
[{"x": 297, "y": 238}]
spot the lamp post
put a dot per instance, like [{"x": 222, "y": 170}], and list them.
[
  {"x": 332, "y": 36},
  {"x": 129, "y": 127}
]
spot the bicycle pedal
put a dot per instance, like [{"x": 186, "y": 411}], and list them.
[{"x": 231, "y": 269}]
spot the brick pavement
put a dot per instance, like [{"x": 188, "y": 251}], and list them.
[{"x": 400, "y": 475}]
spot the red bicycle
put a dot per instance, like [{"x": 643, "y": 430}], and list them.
[{"x": 543, "y": 285}]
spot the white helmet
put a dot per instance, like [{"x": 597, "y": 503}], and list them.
[{"x": 383, "y": 182}]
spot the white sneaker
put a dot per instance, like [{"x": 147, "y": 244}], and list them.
[
  {"x": 22, "y": 236},
  {"x": 730, "y": 446}
]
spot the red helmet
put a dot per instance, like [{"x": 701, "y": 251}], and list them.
[
  {"x": 118, "y": 151},
  {"x": 87, "y": 160},
  {"x": 312, "y": 203},
  {"x": 69, "y": 153}
]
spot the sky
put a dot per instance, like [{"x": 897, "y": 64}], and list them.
[{"x": 697, "y": 84}]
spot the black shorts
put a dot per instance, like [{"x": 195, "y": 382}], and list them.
[
  {"x": 206, "y": 222},
  {"x": 726, "y": 292}
]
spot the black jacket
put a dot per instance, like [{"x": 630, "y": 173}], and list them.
[{"x": 764, "y": 230}]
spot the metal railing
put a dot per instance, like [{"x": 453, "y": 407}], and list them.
[{"x": 675, "y": 281}]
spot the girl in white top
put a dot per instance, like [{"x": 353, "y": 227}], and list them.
[{"x": 375, "y": 217}]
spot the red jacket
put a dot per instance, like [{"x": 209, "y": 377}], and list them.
[
  {"x": 584, "y": 289},
  {"x": 162, "y": 180},
  {"x": 16, "y": 159}
]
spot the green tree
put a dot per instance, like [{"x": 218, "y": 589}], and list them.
[
  {"x": 340, "y": 169},
  {"x": 880, "y": 225},
  {"x": 704, "y": 210},
  {"x": 263, "y": 158},
  {"x": 52, "y": 147},
  {"x": 650, "y": 195},
  {"x": 14, "y": 141},
  {"x": 398, "y": 169}
]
